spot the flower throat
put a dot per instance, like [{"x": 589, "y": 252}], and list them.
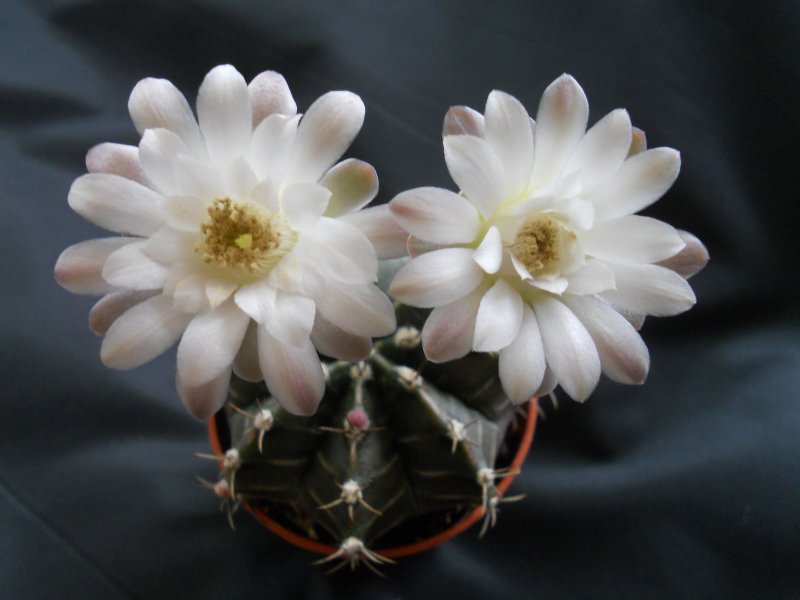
[
  {"x": 539, "y": 245},
  {"x": 238, "y": 235}
]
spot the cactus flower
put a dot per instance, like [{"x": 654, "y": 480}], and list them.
[
  {"x": 540, "y": 257},
  {"x": 239, "y": 234}
]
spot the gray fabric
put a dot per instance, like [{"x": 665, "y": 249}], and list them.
[{"x": 686, "y": 487}]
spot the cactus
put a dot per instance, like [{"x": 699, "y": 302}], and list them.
[{"x": 396, "y": 441}]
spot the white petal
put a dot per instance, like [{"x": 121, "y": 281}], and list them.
[
  {"x": 158, "y": 151},
  {"x": 535, "y": 203},
  {"x": 269, "y": 94},
  {"x": 325, "y": 132},
  {"x": 142, "y": 333},
  {"x": 463, "y": 120},
  {"x": 569, "y": 348},
  {"x": 623, "y": 354},
  {"x": 549, "y": 383},
  {"x": 592, "y": 278},
  {"x": 477, "y": 170},
  {"x": 650, "y": 290},
  {"x": 519, "y": 268},
  {"x": 210, "y": 344},
  {"x": 509, "y": 134},
  {"x": 198, "y": 178},
  {"x": 579, "y": 212},
  {"x": 560, "y": 124},
  {"x": 437, "y": 278},
  {"x": 189, "y": 294},
  {"x": 555, "y": 286},
  {"x": 245, "y": 365},
  {"x": 156, "y": 103},
  {"x": 294, "y": 271},
  {"x": 266, "y": 195},
  {"x": 293, "y": 374},
  {"x": 385, "y": 234},
  {"x": 449, "y": 330},
  {"x": 489, "y": 255},
  {"x": 257, "y": 300},
  {"x": 636, "y": 320},
  {"x": 116, "y": 203},
  {"x": 205, "y": 400},
  {"x": 271, "y": 146},
  {"x": 168, "y": 246},
  {"x": 340, "y": 251},
  {"x": 602, "y": 149},
  {"x": 185, "y": 213},
  {"x": 240, "y": 180},
  {"x": 640, "y": 181},
  {"x": 117, "y": 159},
  {"x": 416, "y": 246},
  {"x": 522, "y": 363},
  {"x": 291, "y": 319},
  {"x": 632, "y": 238},
  {"x": 218, "y": 290},
  {"x": 109, "y": 308},
  {"x": 79, "y": 269},
  {"x": 332, "y": 341},
  {"x": 362, "y": 310},
  {"x": 499, "y": 318},
  {"x": 691, "y": 259},
  {"x": 223, "y": 109},
  {"x": 130, "y": 267},
  {"x": 436, "y": 215},
  {"x": 304, "y": 203},
  {"x": 353, "y": 184}
]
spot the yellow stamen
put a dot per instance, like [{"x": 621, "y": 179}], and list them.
[
  {"x": 539, "y": 244},
  {"x": 238, "y": 235}
]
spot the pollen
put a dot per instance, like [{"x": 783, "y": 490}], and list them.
[
  {"x": 539, "y": 244},
  {"x": 238, "y": 235}
]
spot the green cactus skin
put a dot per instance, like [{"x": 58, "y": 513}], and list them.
[{"x": 399, "y": 449}]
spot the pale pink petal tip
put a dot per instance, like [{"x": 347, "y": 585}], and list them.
[
  {"x": 269, "y": 94},
  {"x": 353, "y": 184},
  {"x": 462, "y": 120},
  {"x": 117, "y": 159},
  {"x": 691, "y": 259},
  {"x": 204, "y": 401}
]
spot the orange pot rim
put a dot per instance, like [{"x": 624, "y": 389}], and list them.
[{"x": 463, "y": 524}]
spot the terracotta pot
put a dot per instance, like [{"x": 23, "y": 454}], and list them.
[{"x": 398, "y": 551}]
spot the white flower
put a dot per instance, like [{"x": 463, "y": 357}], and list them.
[
  {"x": 540, "y": 257},
  {"x": 239, "y": 238}
]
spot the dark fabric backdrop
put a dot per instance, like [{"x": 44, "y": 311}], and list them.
[{"x": 687, "y": 487}]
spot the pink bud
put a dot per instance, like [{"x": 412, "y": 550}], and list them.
[
  {"x": 358, "y": 419},
  {"x": 221, "y": 489}
]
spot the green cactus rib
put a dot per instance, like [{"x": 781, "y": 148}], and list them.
[{"x": 431, "y": 431}]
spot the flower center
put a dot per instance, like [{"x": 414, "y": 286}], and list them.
[
  {"x": 540, "y": 245},
  {"x": 243, "y": 237}
]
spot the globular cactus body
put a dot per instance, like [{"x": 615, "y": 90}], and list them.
[{"x": 396, "y": 441}]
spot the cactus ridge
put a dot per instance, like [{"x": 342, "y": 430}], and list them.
[{"x": 396, "y": 440}]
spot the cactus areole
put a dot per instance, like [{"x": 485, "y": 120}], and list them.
[{"x": 401, "y": 455}]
